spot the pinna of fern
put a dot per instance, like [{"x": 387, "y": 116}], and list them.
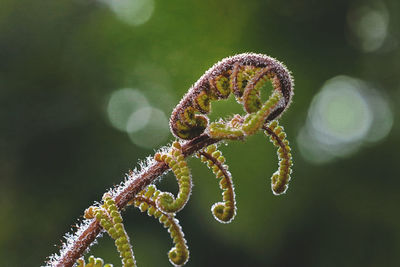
[{"x": 244, "y": 76}]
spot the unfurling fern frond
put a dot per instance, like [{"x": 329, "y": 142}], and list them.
[
  {"x": 281, "y": 178},
  {"x": 176, "y": 161},
  {"x": 224, "y": 211},
  {"x": 110, "y": 220},
  {"x": 146, "y": 201},
  {"x": 245, "y": 76},
  {"x": 254, "y": 121}
]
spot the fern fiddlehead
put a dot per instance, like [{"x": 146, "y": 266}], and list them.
[
  {"x": 243, "y": 75},
  {"x": 224, "y": 211},
  {"x": 146, "y": 201},
  {"x": 281, "y": 178},
  {"x": 175, "y": 160},
  {"x": 110, "y": 220}
]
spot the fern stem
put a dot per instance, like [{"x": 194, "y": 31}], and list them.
[{"x": 79, "y": 246}]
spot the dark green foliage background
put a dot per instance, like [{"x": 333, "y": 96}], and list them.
[{"x": 59, "y": 62}]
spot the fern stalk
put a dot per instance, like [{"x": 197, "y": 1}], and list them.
[{"x": 76, "y": 249}]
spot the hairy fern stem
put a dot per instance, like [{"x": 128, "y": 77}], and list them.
[{"x": 244, "y": 76}]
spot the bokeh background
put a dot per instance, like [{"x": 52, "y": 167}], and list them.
[{"x": 87, "y": 87}]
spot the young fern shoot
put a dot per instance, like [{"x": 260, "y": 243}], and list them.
[
  {"x": 244, "y": 76},
  {"x": 176, "y": 161},
  {"x": 145, "y": 200},
  {"x": 110, "y": 220},
  {"x": 225, "y": 211},
  {"x": 280, "y": 179}
]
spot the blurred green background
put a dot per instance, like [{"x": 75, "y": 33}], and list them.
[{"x": 79, "y": 78}]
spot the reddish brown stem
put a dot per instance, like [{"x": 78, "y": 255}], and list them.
[
  {"x": 273, "y": 134},
  {"x": 79, "y": 246}
]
